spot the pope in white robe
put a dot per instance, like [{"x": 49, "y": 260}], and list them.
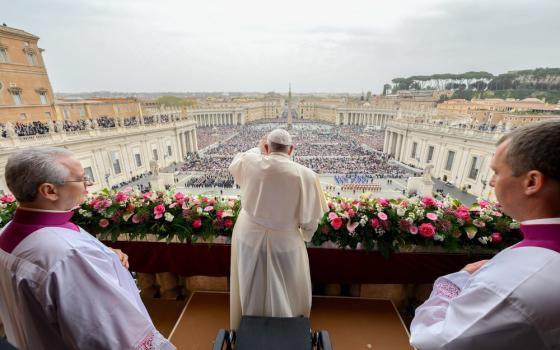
[{"x": 282, "y": 204}]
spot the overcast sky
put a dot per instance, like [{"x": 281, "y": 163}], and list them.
[{"x": 258, "y": 45}]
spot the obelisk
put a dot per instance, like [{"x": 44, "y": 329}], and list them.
[{"x": 290, "y": 107}]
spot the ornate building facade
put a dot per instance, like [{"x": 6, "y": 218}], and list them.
[
  {"x": 460, "y": 156},
  {"x": 115, "y": 154},
  {"x": 25, "y": 89}
]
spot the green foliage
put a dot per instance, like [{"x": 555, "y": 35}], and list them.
[{"x": 175, "y": 101}]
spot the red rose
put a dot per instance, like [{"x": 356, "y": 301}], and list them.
[
  {"x": 197, "y": 223},
  {"x": 374, "y": 223},
  {"x": 496, "y": 237},
  {"x": 228, "y": 223},
  {"x": 428, "y": 201},
  {"x": 336, "y": 223},
  {"x": 427, "y": 230}
]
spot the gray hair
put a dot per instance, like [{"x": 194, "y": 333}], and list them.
[
  {"x": 277, "y": 147},
  {"x": 27, "y": 169}
]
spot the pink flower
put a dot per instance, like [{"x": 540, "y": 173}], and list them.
[
  {"x": 147, "y": 195},
  {"x": 332, "y": 216},
  {"x": 382, "y": 216},
  {"x": 483, "y": 204},
  {"x": 432, "y": 216},
  {"x": 208, "y": 208},
  {"x": 479, "y": 223},
  {"x": 173, "y": 205},
  {"x": 103, "y": 223},
  {"x": 219, "y": 213},
  {"x": 383, "y": 201},
  {"x": 197, "y": 223},
  {"x": 496, "y": 237},
  {"x": 7, "y": 198},
  {"x": 102, "y": 204},
  {"x": 121, "y": 197},
  {"x": 136, "y": 219},
  {"x": 351, "y": 226},
  {"x": 159, "y": 210},
  {"x": 428, "y": 201},
  {"x": 463, "y": 213},
  {"x": 374, "y": 223},
  {"x": 336, "y": 223},
  {"x": 228, "y": 223},
  {"x": 331, "y": 205},
  {"x": 413, "y": 230},
  {"x": 351, "y": 213},
  {"x": 427, "y": 230}
]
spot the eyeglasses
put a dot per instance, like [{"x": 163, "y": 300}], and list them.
[{"x": 86, "y": 180}]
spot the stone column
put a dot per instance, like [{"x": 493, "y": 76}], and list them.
[
  {"x": 385, "y": 142},
  {"x": 195, "y": 141}
]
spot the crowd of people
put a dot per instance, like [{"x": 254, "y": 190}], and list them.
[
  {"x": 219, "y": 179},
  {"x": 322, "y": 147},
  {"x": 207, "y": 136},
  {"x": 370, "y": 138}
]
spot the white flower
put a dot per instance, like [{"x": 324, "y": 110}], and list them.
[
  {"x": 401, "y": 211},
  {"x": 199, "y": 210},
  {"x": 483, "y": 240},
  {"x": 167, "y": 200},
  {"x": 227, "y": 213},
  {"x": 84, "y": 213},
  {"x": 412, "y": 215},
  {"x": 438, "y": 237},
  {"x": 168, "y": 216},
  {"x": 363, "y": 220},
  {"x": 514, "y": 225}
]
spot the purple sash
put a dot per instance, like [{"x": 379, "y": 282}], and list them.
[
  {"x": 25, "y": 222},
  {"x": 541, "y": 235}
]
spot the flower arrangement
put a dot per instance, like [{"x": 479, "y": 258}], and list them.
[
  {"x": 7, "y": 207},
  {"x": 167, "y": 214},
  {"x": 364, "y": 223},
  {"x": 387, "y": 224}
]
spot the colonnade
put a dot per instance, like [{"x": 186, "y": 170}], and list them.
[{"x": 213, "y": 119}]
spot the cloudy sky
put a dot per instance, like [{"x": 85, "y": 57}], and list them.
[{"x": 255, "y": 45}]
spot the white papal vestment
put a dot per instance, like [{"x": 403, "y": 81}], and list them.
[
  {"x": 282, "y": 204},
  {"x": 63, "y": 289}
]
